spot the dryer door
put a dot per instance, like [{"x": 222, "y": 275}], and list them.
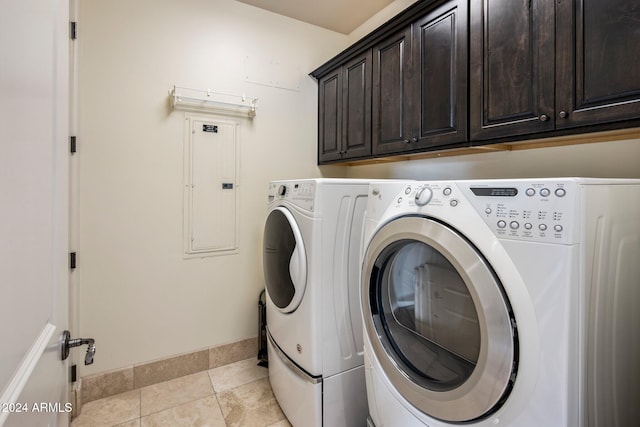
[
  {"x": 284, "y": 260},
  {"x": 438, "y": 320}
]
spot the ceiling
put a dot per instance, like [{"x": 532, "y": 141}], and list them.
[{"x": 342, "y": 16}]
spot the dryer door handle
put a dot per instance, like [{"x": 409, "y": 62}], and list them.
[
  {"x": 297, "y": 264},
  {"x": 295, "y": 270}
]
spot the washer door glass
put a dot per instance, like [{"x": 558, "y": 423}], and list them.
[
  {"x": 438, "y": 320},
  {"x": 284, "y": 260}
]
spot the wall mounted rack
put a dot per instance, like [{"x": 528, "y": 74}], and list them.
[{"x": 207, "y": 101}]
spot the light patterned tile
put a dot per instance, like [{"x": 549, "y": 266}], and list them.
[
  {"x": 132, "y": 423},
  {"x": 231, "y": 353},
  {"x": 283, "y": 423},
  {"x": 165, "y": 395},
  {"x": 201, "y": 413},
  {"x": 110, "y": 410},
  {"x": 107, "y": 384},
  {"x": 236, "y": 374},
  {"x": 250, "y": 405},
  {"x": 170, "y": 368}
]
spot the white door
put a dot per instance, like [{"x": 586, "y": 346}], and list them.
[{"x": 34, "y": 155}]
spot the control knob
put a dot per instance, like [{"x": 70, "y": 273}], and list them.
[
  {"x": 423, "y": 196},
  {"x": 282, "y": 190}
]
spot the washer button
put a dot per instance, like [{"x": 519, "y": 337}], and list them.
[
  {"x": 528, "y": 226},
  {"x": 544, "y": 192},
  {"x": 407, "y": 190},
  {"x": 558, "y": 228},
  {"x": 530, "y": 192},
  {"x": 514, "y": 225},
  {"x": 560, "y": 192},
  {"x": 447, "y": 191},
  {"x": 488, "y": 211},
  {"x": 542, "y": 227},
  {"x": 453, "y": 203},
  {"x": 502, "y": 224}
]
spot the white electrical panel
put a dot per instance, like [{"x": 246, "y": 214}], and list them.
[{"x": 211, "y": 186}]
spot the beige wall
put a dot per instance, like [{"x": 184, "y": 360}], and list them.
[
  {"x": 379, "y": 18},
  {"x": 137, "y": 296}
]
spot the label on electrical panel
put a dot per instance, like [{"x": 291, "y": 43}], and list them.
[{"x": 210, "y": 128}]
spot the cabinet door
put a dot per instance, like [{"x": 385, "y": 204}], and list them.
[
  {"x": 512, "y": 67},
  {"x": 330, "y": 116},
  {"x": 440, "y": 91},
  {"x": 356, "y": 107},
  {"x": 391, "y": 120},
  {"x": 598, "y": 72}
]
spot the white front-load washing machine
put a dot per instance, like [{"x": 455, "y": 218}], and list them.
[
  {"x": 502, "y": 303},
  {"x": 312, "y": 243}
]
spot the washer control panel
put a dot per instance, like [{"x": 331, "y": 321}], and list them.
[
  {"x": 532, "y": 210},
  {"x": 301, "y": 193}
]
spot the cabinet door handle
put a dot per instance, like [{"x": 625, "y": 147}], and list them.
[
  {"x": 564, "y": 114},
  {"x": 544, "y": 118},
  {"x": 414, "y": 139},
  {"x": 406, "y": 141}
]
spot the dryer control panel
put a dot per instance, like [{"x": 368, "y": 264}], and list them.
[
  {"x": 539, "y": 210},
  {"x": 534, "y": 210}
]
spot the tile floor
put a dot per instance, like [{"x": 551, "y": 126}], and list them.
[{"x": 235, "y": 395}]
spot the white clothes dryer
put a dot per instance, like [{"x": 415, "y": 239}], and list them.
[
  {"x": 502, "y": 303},
  {"x": 312, "y": 243}
]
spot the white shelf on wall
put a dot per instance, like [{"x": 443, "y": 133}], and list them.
[{"x": 207, "y": 101}]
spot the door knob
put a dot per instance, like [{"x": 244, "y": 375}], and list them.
[{"x": 68, "y": 343}]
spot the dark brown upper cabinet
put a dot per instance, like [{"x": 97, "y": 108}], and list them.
[
  {"x": 597, "y": 61},
  {"x": 344, "y": 111},
  {"x": 420, "y": 83},
  {"x": 453, "y": 73},
  {"x": 537, "y": 67},
  {"x": 391, "y": 93}
]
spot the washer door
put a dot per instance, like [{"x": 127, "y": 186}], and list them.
[
  {"x": 438, "y": 320},
  {"x": 284, "y": 260}
]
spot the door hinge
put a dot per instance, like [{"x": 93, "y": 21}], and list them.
[
  {"x": 72, "y": 144},
  {"x": 72, "y": 260},
  {"x": 73, "y": 30},
  {"x": 73, "y": 373}
]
